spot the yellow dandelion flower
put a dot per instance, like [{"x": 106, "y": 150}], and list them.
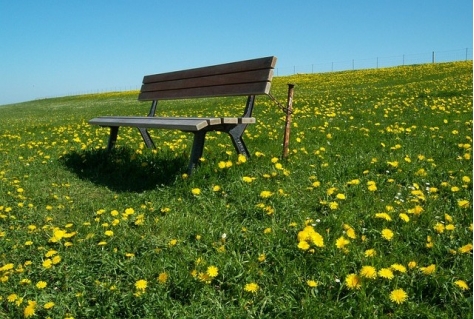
[
  {"x": 383, "y": 216},
  {"x": 333, "y": 205},
  {"x": 463, "y": 203},
  {"x": 212, "y": 271},
  {"x": 7, "y": 267},
  {"x": 433, "y": 190},
  {"x": 331, "y": 191},
  {"x": 247, "y": 179},
  {"x": 354, "y": 182},
  {"x": 399, "y": 268},
  {"x": 109, "y": 233},
  {"x": 196, "y": 191},
  {"x": 162, "y": 277},
  {"x": 312, "y": 283},
  {"x": 418, "y": 194},
  {"x": 461, "y": 284},
  {"x": 387, "y": 234},
  {"x": 353, "y": 281},
  {"x": 404, "y": 217},
  {"x": 341, "y": 242},
  {"x": 51, "y": 253},
  {"x": 448, "y": 218},
  {"x": 398, "y": 296},
  {"x": 48, "y": 305},
  {"x": 371, "y": 186},
  {"x": 165, "y": 210},
  {"x": 393, "y": 164},
  {"x": 368, "y": 272},
  {"x": 265, "y": 194},
  {"x": 204, "y": 277},
  {"x": 350, "y": 232},
  {"x": 173, "y": 242},
  {"x": 428, "y": 270},
  {"x": 241, "y": 159},
  {"x": 439, "y": 228},
  {"x": 41, "y": 284},
  {"x": 429, "y": 242},
  {"x": 30, "y": 309},
  {"x": 465, "y": 249},
  {"x": 141, "y": 284},
  {"x": 261, "y": 258},
  {"x": 370, "y": 253},
  {"x": 25, "y": 281},
  {"x": 58, "y": 234},
  {"x": 129, "y": 211},
  {"x": 303, "y": 245},
  {"x": 417, "y": 210},
  {"x": 251, "y": 287},
  {"x": 12, "y": 297},
  {"x": 421, "y": 172},
  {"x": 47, "y": 263},
  {"x": 386, "y": 273},
  {"x": 216, "y": 188}
]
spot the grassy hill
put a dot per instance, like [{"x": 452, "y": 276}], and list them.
[{"x": 370, "y": 216}]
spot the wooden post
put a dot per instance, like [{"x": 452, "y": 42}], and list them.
[{"x": 289, "y": 110}]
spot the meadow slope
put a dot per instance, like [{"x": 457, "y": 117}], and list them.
[{"x": 370, "y": 216}]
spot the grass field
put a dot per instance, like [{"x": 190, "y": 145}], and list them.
[{"x": 370, "y": 216}]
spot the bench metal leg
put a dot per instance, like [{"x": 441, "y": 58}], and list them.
[
  {"x": 236, "y": 136},
  {"x": 197, "y": 150},
  {"x": 146, "y": 137},
  {"x": 112, "y": 137}
]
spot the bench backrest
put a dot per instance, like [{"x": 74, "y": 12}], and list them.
[{"x": 251, "y": 77}]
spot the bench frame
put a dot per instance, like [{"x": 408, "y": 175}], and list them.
[{"x": 245, "y": 78}]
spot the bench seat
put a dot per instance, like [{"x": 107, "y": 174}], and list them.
[{"x": 188, "y": 124}]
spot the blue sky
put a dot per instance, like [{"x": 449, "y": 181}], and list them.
[{"x": 54, "y": 48}]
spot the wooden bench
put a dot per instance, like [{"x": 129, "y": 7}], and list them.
[{"x": 245, "y": 78}]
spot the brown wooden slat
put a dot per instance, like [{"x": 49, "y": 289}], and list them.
[
  {"x": 227, "y": 79},
  {"x": 238, "y": 120},
  {"x": 211, "y": 91},
  {"x": 210, "y": 120},
  {"x": 241, "y": 66},
  {"x": 149, "y": 122}
]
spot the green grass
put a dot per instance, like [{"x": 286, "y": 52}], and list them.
[{"x": 91, "y": 225}]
